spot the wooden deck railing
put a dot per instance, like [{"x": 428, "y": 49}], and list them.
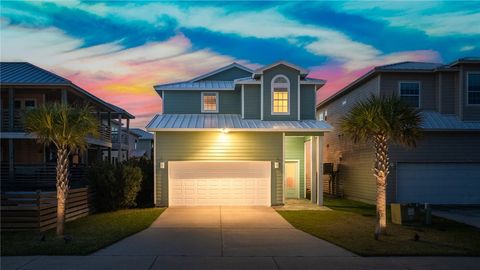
[
  {"x": 39, "y": 176},
  {"x": 38, "y": 210}
]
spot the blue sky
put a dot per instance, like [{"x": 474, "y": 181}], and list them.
[{"x": 118, "y": 50}]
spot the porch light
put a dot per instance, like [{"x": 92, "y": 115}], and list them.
[
  {"x": 162, "y": 164},
  {"x": 276, "y": 164},
  {"x": 224, "y": 130}
]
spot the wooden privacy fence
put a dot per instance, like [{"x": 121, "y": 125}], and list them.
[{"x": 38, "y": 210}]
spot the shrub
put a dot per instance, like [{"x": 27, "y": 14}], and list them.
[
  {"x": 115, "y": 186},
  {"x": 145, "y": 195}
]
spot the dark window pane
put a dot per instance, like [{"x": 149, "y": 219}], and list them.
[
  {"x": 18, "y": 104},
  {"x": 474, "y": 98}
]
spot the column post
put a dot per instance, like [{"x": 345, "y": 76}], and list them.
[
  {"x": 313, "y": 191},
  {"x": 319, "y": 170}
]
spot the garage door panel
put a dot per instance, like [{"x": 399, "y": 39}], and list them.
[
  {"x": 438, "y": 183},
  {"x": 219, "y": 183}
]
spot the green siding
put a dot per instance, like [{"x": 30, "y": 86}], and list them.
[
  {"x": 294, "y": 150},
  {"x": 175, "y": 146},
  {"x": 189, "y": 102},
  {"x": 307, "y": 101},
  {"x": 292, "y": 76},
  {"x": 228, "y": 75},
  {"x": 251, "y": 101}
]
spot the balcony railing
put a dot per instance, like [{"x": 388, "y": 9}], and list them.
[
  {"x": 39, "y": 176},
  {"x": 124, "y": 138},
  {"x": 104, "y": 131}
]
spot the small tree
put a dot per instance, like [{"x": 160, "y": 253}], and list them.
[
  {"x": 383, "y": 120},
  {"x": 65, "y": 127}
]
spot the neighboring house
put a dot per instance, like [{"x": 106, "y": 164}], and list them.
[
  {"x": 144, "y": 145},
  {"x": 236, "y": 136},
  {"x": 26, "y": 164},
  {"x": 123, "y": 140},
  {"x": 444, "y": 168}
]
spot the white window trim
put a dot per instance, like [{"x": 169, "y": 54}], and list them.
[
  {"x": 243, "y": 102},
  {"x": 272, "y": 87},
  {"x": 466, "y": 89},
  {"x": 419, "y": 91},
  {"x": 216, "y": 99}
]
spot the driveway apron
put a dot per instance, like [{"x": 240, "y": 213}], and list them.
[{"x": 222, "y": 231}]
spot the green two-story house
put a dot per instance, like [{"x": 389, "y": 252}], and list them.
[{"x": 237, "y": 136}]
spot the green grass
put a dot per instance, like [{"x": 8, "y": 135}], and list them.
[
  {"x": 351, "y": 225},
  {"x": 89, "y": 234}
]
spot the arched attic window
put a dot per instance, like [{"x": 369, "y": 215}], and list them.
[{"x": 280, "y": 95}]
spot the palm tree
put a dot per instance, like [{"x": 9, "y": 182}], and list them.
[
  {"x": 383, "y": 120},
  {"x": 65, "y": 127}
]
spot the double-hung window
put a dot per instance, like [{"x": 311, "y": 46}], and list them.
[
  {"x": 280, "y": 95},
  {"x": 410, "y": 93},
  {"x": 209, "y": 102},
  {"x": 473, "y": 88}
]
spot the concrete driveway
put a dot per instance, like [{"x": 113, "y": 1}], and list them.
[
  {"x": 223, "y": 231},
  {"x": 464, "y": 214}
]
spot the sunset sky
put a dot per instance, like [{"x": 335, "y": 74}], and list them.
[{"x": 119, "y": 50}]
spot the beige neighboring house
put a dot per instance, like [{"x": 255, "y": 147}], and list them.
[{"x": 444, "y": 168}]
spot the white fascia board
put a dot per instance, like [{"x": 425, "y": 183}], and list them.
[{"x": 195, "y": 89}]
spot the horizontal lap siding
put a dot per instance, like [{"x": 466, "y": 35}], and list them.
[
  {"x": 428, "y": 86},
  {"x": 189, "y": 102},
  {"x": 436, "y": 147},
  {"x": 448, "y": 99},
  {"x": 307, "y": 102},
  {"x": 251, "y": 101},
  {"x": 355, "y": 171},
  {"x": 176, "y": 146}
]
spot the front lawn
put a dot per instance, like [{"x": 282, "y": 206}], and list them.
[
  {"x": 351, "y": 225},
  {"x": 88, "y": 234}
]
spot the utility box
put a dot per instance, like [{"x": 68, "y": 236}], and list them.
[{"x": 405, "y": 213}]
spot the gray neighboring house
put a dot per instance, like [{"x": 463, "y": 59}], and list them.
[
  {"x": 444, "y": 168},
  {"x": 237, "y": 136},
  {"x": 144, "y": 143}
]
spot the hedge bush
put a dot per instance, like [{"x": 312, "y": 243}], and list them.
[
  {"x": 145, "y": 195},
  {"x": 115, "y": 186}
]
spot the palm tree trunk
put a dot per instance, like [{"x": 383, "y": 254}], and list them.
[
  {"x": 62, "y": 188},
  {"x": 381, "y": 171}
]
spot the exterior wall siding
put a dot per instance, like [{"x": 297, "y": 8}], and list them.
[
  {"x": 470, "y": 112},
  {"x": 189, "y": 102},
  {"x": 447, "y": 90},
  {"x": 435, "y": 147},
  {"x": 292, "y": 76},
  {"x": 177, "y": 146},
  {"x": 251, "y": 95},
  {"x": 307, "y": 102},
  {"x": 355, "y": 169},
  {"x": 428, "y": 86},
  {"x": 294, "y": 150},
  {"x": 228, "y": 75}
]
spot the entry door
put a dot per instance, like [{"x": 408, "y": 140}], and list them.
[{"x": 292, "y": 179}]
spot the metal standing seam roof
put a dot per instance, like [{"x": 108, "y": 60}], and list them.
[
  {"x": 209, "y": 122},
  {"x": 203, "y": 85},
  {"x": 26, "y": 73},
  {"x": 433, "y": 120},
  {"x": 410, "y": 66},
  {"x": 144, "y": 135}
]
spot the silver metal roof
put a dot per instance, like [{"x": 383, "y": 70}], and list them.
[
  {"x": 436, "y": 121},
  {"x": 216, "y": 122},
  {"x": 201, "y": 85},
  {"x": 250, "y": 80},
  {"x": 410, "y": 66},
  {"x": 26, "y": 73}
]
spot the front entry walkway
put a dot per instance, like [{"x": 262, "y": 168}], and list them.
[{"x": 223, "y": 232}]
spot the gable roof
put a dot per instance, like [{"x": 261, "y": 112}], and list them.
[
  {"x": 24, "y": 73},
  {"x": 143, "y": 135},
  {"x": 202, "y": 85},
  {"x": 28, "y": 74},
  {"x": 232, "y": 65},
  {"x": 408, "y": 66},
  {"x": 260, "y": 71}
]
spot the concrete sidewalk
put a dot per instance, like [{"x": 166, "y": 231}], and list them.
[{"x": 241, "y": 263}]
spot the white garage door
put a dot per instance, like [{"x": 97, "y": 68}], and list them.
[
  {"x": 193, "y": 183},
  {"x": 438, "y": 183}
]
